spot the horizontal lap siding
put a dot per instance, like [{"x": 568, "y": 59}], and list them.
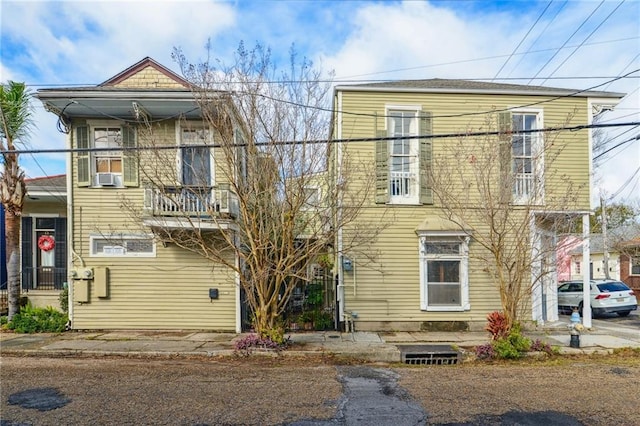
[
  {"x": 169, "y": 291},
  {"x": 390, "y": 290}
]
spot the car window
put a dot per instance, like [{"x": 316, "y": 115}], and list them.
[
  {"x": 575, "y": 287},
  {"x": 612, "y": 286}
]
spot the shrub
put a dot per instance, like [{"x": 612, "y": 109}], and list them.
[
  {"x": 497, "y": 325},
  {"x": 513, "y": 346},
  {"x": 38, "y": 320},
  {"x": 485, "y": 351},
  {"x": 540, "y": 346},
  {"x": 247, "y": 344}
]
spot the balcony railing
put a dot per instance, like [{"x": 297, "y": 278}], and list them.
[
  {"x": 401, "y": 183},
  {"x": 43, "y": 278},
  {"x": 523, "y": 185},
  {"x": 189, "y": 201}
]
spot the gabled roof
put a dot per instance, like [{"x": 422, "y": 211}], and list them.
[
  {"x": 141, "y": 65},
  {"x": 438, "y": 85}
]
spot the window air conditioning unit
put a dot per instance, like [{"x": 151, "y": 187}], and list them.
[{"x": 106, "y": 179}]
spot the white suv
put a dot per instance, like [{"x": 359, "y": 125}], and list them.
[{"x": 607, "y": 296}]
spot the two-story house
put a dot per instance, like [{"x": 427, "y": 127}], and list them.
[
  {"x": 142, "y": 165},
  {"x": 430, "y": 270}
]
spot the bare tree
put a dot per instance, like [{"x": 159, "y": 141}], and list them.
[
  {"x": 506, "y": 192},
  {"x": 275, "y": 197},
  {"x": 15, "y": 113}
]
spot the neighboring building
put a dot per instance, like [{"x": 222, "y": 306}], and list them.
[
  {"x": 630, "y": 263},
  {"x": 426, "y": 274},
  {"x": 43, "y": 240},
  {"x": 123, "y": 275},
  {"x": 620, "y": 243}
]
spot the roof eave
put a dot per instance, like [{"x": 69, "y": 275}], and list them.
[{"x": 585, "y": 94}]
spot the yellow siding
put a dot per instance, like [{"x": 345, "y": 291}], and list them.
[
  {"x": 149, "y": 78},
  {"x": 389, "y": 290},
  {"x": 169, "y": 291}
]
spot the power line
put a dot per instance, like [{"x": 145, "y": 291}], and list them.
[
  {"x": 325, "y": 141},
  {"x": 567, "y": 41},
  {"x": 539, "y": 35},
  {"x": 587, "y": 38},
  {"x": 522, "y": 41},
  {"x": 635, "y": 138}
]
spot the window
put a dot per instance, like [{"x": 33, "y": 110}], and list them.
[
  {"x": 525, "y": 165},
  {"x": 108, "y": 161},
  {"x": 196, "y": 160},
  {"x": 578, "y": 267},
  {"x": 635, "y": 265},
  {"x": 122, "y": 245},
  {"x": 312, "y": 197},
  {"x": 403, "y": 164},
  {"x": 403, "y": 158},
  {"x": 101, "y": 160},
  {"x": 522, "y": 154},
  {"x": 444, "y": 273}
]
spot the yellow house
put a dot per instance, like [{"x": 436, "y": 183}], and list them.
[
  {"x": 422, "y": 143},
  {"x": 140, "y": 127}
]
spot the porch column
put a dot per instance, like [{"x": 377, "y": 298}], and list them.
[{"x": 586, "y": 278}]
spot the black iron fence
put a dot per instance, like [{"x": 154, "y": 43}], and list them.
[{"x": 43, "y": 278}]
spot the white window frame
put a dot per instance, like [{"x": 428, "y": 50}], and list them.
[
  {"x": 414, "y": 154},
  {"x": 188, "y": 126},
  {"x": 119, "y": 250},
  {"x": 463, "y": 257},
  {"x": 536, "y": 192},
  {"x": 92, "y": 125}
]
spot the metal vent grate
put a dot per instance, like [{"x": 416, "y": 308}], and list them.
[{"x": 429, "y": 355}]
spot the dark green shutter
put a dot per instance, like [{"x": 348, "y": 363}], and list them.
[
  {"x": 83, "y": 157},
  {"x": 60, "y": 236},
  {"x": 426, "y": 129},
  {"x": 27, "y": 253},
  {"x": 129, "y": 157},
  {"x": 505, "y": 127},
  {"x": 382, "y": 168}
]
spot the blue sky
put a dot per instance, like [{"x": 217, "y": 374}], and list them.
[{"x": 64, "y": 43}]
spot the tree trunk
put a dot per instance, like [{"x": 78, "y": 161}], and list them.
[{"x": 12, "y": 227}]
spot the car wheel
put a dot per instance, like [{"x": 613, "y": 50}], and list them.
[{"x": 623, "y": 313}]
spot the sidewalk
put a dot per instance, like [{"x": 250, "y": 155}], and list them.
[{"x": 382, "y": 347}]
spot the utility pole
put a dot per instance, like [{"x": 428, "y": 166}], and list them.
[{"x": 605, "y": 251}]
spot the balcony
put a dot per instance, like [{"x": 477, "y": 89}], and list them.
[{"x": 213, "y": 207}]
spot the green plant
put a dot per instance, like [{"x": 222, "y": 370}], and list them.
[
  {"x": 4, "y": 320},
  {"x": 38, "y": 320},
  {"x": 513, "y": 346},
  {"x": 323, "y": 321},
  {"x": 315, "y": 295},
  {"x": 64, "y": 299}
]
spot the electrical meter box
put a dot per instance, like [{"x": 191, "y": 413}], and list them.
[{"x": 81, "y": 291}]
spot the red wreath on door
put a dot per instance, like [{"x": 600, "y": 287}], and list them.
[{"x": 46, "y": 243}]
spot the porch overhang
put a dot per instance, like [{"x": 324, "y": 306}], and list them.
[{"x": 120, "y": 103}]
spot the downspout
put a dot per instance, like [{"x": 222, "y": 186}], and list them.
[{"x": 72, "y": 253}]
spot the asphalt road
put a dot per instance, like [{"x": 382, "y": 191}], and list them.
[{"x": 265, "y": 391}]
